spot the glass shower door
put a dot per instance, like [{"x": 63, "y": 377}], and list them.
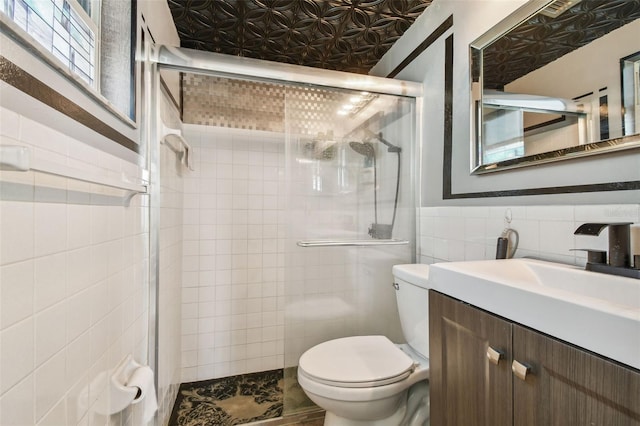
[{"x": 349, "y": 218}]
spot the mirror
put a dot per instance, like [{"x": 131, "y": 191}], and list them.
[{"x": 556, "y": 80}]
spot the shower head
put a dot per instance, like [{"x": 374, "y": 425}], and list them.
[{"x": 363, "y": 148}]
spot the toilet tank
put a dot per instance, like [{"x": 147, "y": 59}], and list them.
[{"x": 412, "y": 296}]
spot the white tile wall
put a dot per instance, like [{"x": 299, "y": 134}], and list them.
[
  {"x": 170, "y": 282},
  {"x": 73, "y": 281},
  {"x": 232, "y": 317},
  {"x": 470, "y": 233}
]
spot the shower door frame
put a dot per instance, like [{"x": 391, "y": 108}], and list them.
[{"x": 219, "y": 65}]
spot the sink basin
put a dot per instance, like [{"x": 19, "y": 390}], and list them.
[
  {"x": 624, "y": 292},
  {"x": 595, "y": 311}
]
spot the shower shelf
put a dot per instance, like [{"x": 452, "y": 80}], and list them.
[{"x": 351, "y": 243}]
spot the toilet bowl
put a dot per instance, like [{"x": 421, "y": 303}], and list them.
[
  {"x": 361, "y": 379},
  {"x": 369, "y": 380}
]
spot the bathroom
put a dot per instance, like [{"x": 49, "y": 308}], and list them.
[{"x": 80, "y": 267}]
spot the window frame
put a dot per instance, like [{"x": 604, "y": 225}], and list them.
[{"x": 15, "y": 32}]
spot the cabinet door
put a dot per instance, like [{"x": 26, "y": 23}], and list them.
[
  {"x": 466, "y": 387},
  {"x": 568, "y": 386}
]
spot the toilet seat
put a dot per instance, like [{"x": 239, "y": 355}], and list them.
[{"x": 356, "y": 362}]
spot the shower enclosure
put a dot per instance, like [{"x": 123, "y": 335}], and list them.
[{"x": 303, "y": 196}]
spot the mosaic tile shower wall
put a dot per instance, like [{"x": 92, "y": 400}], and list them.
[
  {"x": 222, "y": 102},
  {"x": 312, "y": 111}
]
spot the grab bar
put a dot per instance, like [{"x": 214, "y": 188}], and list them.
[
  {"x": 183, "y": 154},
  {"x": 18, "y": 158},
  {"x": 351, "y": 243}
]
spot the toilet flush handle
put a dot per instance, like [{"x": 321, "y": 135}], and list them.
[{"x": 396, "y": 286}]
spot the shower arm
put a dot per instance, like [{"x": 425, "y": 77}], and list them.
[{"x": 390, "y": 147}]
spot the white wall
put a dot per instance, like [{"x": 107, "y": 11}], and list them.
[
  {"x": 472, "y": 19},
  {"x": 73, "y": 266},
  {"x": 73, "y": 273},
  {"x": 232, "y": 282},
  {"x": 159, "y": 22},
  {"x": 169, "y": 289}
]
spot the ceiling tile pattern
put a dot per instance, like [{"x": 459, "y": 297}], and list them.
[
  {"x": 542, "y": 39},
  {"x": 347, "y": 35}
]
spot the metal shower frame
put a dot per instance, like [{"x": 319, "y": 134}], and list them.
[{"x": 215, "y": 64}]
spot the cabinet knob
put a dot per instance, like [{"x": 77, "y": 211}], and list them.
[
  {"x": 494, "y": 355},
  {"x": 520, "y": 370}
]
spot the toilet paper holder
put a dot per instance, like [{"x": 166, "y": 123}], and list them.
[
  {"x": 119, "y": 392},
  {"x": 121, "y": 375}
]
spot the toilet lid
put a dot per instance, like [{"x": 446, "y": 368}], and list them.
[{"x": 359, "y": 361}]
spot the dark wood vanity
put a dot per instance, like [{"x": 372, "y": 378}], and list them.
[{"x": 552, "y": 383}]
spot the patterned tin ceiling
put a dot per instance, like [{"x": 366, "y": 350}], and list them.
[
  {"x": 347, "y": 35},
  {"x": 352, "y": 35},
  {"x": 542, "y": 39}
]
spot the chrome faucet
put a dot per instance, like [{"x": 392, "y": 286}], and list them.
[{"x": 619, "y": 249}]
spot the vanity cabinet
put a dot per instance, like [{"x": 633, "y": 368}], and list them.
[{"x": 557, "y": 384}]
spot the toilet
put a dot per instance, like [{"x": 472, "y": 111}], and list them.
[{"x": 369, "y": 380}]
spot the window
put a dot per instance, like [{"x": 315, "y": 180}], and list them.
[
  {"x": 94, "y": 40},
  {"x": 64, "y": 27}
]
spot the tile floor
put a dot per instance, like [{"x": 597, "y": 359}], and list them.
[{"x": 247, "y": 399}]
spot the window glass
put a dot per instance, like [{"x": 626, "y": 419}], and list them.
[{"x": 64, "y": 27}]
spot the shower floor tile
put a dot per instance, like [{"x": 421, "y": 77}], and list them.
[{"x": 236, "y": 400}]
